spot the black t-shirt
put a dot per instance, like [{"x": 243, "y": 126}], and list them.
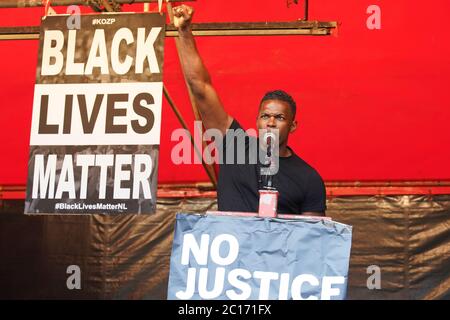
[{"x": 300, "y": 187}]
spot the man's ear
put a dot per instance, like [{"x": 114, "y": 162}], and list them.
[{"x": 293, "y": 126}]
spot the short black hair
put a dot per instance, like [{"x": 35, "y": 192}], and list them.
[{"x": 282, "y": 96}]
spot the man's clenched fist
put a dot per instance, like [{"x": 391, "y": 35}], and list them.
[{"x": 182, "y": 16}]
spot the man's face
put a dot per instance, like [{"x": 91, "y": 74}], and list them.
[{"x": 276, "y": 114}]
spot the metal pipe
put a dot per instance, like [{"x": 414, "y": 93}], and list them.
[
  {"x": 306, "y": 17},
  {"x": 208, "y": 168},
  {"x": 428, "y": 188},
  {"x": 369, "y": 184},
  {"x": 210, "y": 29},
  {"x": 55, "y": 3},
  {"x": 318, "y": 32}
]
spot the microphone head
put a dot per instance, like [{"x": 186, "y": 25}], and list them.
[{"x": 269, "y": 138}]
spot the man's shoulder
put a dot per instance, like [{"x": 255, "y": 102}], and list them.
[
  {"x": 304, "y": 167},
  {"x": 235, "y": 130},
  {"x": 235, "y": 125},
  {"x": 236, "y": 139}
]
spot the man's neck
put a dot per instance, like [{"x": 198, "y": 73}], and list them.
[{"x": 285, "y": 151}]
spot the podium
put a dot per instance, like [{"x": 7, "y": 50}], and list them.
[{"x": 240, "y": 256}]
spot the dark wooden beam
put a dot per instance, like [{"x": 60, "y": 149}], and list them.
[{"x": 210, "y": 29}]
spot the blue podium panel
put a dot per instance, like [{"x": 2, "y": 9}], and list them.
[{"x": 228, "y": 257}]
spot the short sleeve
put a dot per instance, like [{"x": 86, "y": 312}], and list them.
[
  {"x": 234, "y": 138},
  {"x": 316, "y": 197}
]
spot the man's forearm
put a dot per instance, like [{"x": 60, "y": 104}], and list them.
[
  {"x": 195, "y": 71},
  {"x": 197, "y": 77}
]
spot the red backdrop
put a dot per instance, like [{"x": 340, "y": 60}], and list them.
[{"x": 373, "y": 104}]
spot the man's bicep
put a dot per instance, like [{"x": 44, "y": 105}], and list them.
[{"x": 211, "y": 109}]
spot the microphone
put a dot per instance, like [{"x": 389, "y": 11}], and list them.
[{"x": 269, "y": 138}]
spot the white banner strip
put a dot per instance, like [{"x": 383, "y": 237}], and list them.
[{"x": 97, "y": 114}]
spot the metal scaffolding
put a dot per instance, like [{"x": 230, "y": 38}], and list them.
[
  {"x": 299, "y": 27},
  {"x": 314, "y": 28},
  {"x": 41, "y": 3}
]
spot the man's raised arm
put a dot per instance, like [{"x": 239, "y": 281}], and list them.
[{"x": 209, "y": 105}]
